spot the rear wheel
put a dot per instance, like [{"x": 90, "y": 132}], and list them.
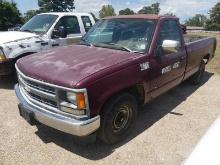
[
  {"x": 197, "y": 78},
  {"x": 118, "y": 118}
]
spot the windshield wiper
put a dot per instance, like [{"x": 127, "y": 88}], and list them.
[
  {"x": 84, "y": 42},
  {"x": 27, "y": 30},
  {"x": 125, "y": 48}
]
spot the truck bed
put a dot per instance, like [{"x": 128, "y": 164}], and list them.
[
  {"x": 198, "y": 48},
  {"x": 188, "y": 38}
]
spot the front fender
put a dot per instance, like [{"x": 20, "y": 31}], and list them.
[
  {"x": 103, "y": 89},
  {"x": 14, "y": 49}
]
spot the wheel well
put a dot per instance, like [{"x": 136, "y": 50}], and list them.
[
  {"x": 206, "y": 58},
  {"x": 23, "y": 55},
  {"x": 137, "y": 91}
]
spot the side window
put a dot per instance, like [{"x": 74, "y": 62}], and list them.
[
  {"x": 169, "y": 31},
  {"x": 86, "y": 22},
  {"x": 70, "y": 24}
]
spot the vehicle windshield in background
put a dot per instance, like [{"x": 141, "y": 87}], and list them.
[
  {"x": 133, "y": 35},
  {"x": 39, "y": 24}
]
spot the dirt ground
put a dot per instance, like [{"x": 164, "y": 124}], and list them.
[{"x": 166, "y": 133}]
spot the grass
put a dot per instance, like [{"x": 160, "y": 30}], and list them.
[{"x": 214, "y": 65}]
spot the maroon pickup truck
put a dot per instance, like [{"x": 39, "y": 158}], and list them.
[{"x": 96, "y": 87}]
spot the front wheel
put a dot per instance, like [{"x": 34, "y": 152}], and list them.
[
  {"x": 197, "y": 78},
  {"x": 118, "y": 118}
]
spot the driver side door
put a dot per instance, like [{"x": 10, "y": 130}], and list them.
[
  {"x": 167, "y": 68},
  {"x": 71, "y": 27}
]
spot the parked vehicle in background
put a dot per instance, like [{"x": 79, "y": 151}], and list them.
[
  {"x": 16, "y": 28},
  {"x": 122, "y": 62},
  {"x": 42, "y": 32}
]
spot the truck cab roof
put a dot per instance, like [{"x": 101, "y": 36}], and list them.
[
  {"x": 60, "y": 14},
  {"x": 141, "y": 16}
]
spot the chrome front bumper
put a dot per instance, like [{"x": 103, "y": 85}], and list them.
[{"x": 63, "y": 123}]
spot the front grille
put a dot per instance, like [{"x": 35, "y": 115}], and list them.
[
  {"x": 41, "y": 87},
  {"x": 37, "y": 92},
  {"x": 43, "y": 100}
]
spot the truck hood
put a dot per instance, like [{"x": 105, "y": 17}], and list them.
[
  {"x": 11, "y": 36},
  {"x": 66, "y": 66}
]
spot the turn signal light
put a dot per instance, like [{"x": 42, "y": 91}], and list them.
[{"x": 81, "y": 103}]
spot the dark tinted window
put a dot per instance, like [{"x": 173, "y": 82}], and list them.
[
  {"x": 86, "y": 22},
  {"x": 71, "y": 25},
  {"x": 170, "y": 30}
]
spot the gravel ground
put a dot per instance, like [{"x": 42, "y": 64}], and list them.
[{"x": 166, "y": 133}]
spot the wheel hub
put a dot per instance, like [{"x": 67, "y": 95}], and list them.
[{"x": 121, "y": 118}]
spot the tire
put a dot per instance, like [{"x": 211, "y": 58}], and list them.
[
  {"x": 197, "y": 78},
  {"x": 118, "y": 118}
]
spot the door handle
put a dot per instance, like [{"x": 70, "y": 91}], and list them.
[
  {"x": 53, "y": 45},
  {"x": 44, "y": 43}
]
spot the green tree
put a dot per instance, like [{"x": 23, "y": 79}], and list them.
[
  {"x": 153, "y": 9},
  {"x": 29, "y": 14},
  {"x": 56, "y": 5},
  {"x": 198, "y": 20},
  {"x": 170, "y": 14},
  {"x": 214, "y": 22},
  {"x": 126, "y": 11},
  {"x": 107, "y": 10},
  {"x": 9, "y": 15}
]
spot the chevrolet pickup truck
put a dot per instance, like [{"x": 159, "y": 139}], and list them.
[
  {"x": 42, "y": 32},
  {"x": 96, "y": 87}
]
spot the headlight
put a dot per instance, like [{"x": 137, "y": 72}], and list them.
[
  {"x": 2, "y": 56},
  {"x": 78, "y": 99},
  {"x": 71, "y": 97},
  {"x": 74, "y": 103}
]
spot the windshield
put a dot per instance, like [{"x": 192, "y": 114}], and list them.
[
  {"x": 133, "y": 35},
  {"x": 39, "y": 24}
]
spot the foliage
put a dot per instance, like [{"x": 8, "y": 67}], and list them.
[
  {"x": 126, "y": 11},
  {"x": 107, "y": 10},
  {"x": 215, "y": 13},
  {"x": 9, "y": 15},
  {"x": 56, "y": 5},
  {"x": 29, "y": 14},
  {"x": 214, "y": 22},
  {"x": 198, "y": 20},
  {"x": 153, "y": 9},
  {"x": 212, "y": 26},
  {"x": 170, "y": 14}
]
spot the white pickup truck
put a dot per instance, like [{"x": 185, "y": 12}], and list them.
[{"x": 42, "y": 32}]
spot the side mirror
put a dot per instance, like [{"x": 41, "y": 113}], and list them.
[
  {"x": 87, "y": 27},
  {"x": 59, "y": 33},
  {"x": 170, "y": 46}
]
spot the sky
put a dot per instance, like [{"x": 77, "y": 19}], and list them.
[{"x": 181, "y": 8}]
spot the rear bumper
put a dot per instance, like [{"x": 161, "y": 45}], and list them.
[
  {"x": 57, "y": 121},
  {"x": 6, "y": 67}
]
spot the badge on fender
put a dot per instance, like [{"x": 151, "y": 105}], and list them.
[{"x": 145, "y": 66}]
